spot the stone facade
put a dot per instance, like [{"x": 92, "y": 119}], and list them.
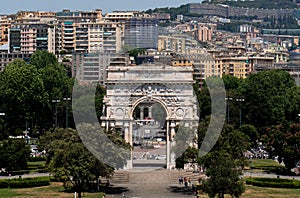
[{"x": 172, "y": 87}]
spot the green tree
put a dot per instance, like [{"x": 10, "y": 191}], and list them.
[
  {"x": 225, "y": 162},
  {"x": 41, "y": 59},
  {"x": 283, "y": 141},
  {"x": 224, "y": 176},
  {"x": 56, "y": 82},
  {"x": 271, "y": 98},
  {"x": 23, "y": 95},
  {"x": 251, "y": 134},
  {"x": 231, "y": 82},
  {"x": 70, "y": 161},
  {"x": 14, "y": 154},
  {"x": 58, "y": 86}
]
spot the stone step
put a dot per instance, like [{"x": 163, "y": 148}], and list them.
[
  {"x": 120, "y": 177},
  {"x": 194, "y": 176}
]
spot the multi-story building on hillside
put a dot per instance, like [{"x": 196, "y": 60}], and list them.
[
  {"x": 103, "y": 36},
  {"x": 5, "y": 24},
  {"x": 91, "y": 67},
  {"x": 67, "y": 22},
  {"x": 6, "y": 57},
  {"x": 178, "y": 43},
  {"x": 27, "y": 38},
  {"x": 141, "y": 32},
  {"x": 229, "y": 11},
  {"x": 236, "y": 66}
]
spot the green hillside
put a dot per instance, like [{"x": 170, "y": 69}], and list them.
[{"x": 181, "y": 10}]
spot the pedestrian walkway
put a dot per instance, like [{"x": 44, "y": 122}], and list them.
[{"x": 145, "y": 183}]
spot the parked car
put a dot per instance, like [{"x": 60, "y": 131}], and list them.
[{"x": 161, "y": 157}]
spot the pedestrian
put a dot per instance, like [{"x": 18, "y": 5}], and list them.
[
  {"x": 179, "y": 179},
  {"x": 189, "y": 182},
  {"x": 185, "y": 181}
]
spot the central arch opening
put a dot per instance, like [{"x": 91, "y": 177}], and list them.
[{"x": 149, "y": 135}]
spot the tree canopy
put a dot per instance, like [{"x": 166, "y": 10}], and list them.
[
  {"x": 14, "y": 154},
  {"x": 70, "y": 161},
  {"x": 27, "y": 91}
]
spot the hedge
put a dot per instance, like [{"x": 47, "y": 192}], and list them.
[
  {"x": 273, "y": 182},
  {"x": 25, "y": 183}
]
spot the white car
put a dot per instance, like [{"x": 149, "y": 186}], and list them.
[{"x": 161, "y": 157}]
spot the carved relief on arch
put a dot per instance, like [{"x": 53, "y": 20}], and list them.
[{"x": 153, "y": 89}]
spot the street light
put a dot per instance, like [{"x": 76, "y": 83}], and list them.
[
  {"x": 240, "y": 100},
  {"x": 56, "y": 102},
  {"x": 299, "y": 117},
  {"x": 228, "y": 99},
  {"x": 67, "y": 117}
]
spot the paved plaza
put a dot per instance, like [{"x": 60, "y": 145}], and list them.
[{"x": 150, "y": 183}]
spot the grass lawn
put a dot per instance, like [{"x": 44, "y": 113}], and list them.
[
  {"x": 262, "y": 192},
  {"x": 8, "y": 193},
  {"x": 260, "y": 163},
  {"x": 54, "y": 190},
  {"x": 38, "y": 163}
]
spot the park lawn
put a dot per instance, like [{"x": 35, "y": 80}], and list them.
[
  {"x": 262, "y": 163},
  {"x": 8, "y": 193},
  {"x": 38, "y": 163},
  {"x": 54, "y": 190},
  {"x": 262, "y": 192}
]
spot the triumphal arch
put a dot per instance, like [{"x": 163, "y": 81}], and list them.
[{"x": 170, "y": 86}]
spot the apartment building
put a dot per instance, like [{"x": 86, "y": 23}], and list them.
[
  {"x": 204, "y": 33},
  {"x": 103, "y": 36},
  {"x": 79, "y": 16},
  {"x": 123, "y": 16},
  {"x": 203, "y": 64},
  {"x": 236, "y": 66},
  {"x": 33, "y": 16},
  {"x": 67, "y": 22},
  {"x": 141, "y": 29},
  {"x": 91, "y": 67},
  {"x": 85, "y": 32},
  {"x": 178, "y": 43},
  {"x": 6, "y": 57},
  {"x": 229, "y": 11},
  {"x": 5, "y": 24},
  {"x": 141, "y": 32},
  {"x": 27, "y": 38}
]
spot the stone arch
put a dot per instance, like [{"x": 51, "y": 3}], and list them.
[
  {"x": 145, "y": 98},
  {"x": 171, "y": 87}
]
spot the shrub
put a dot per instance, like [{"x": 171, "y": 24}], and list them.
[
  {"x": 273, "y": 182},
  {"x": 25, "y": 183}
]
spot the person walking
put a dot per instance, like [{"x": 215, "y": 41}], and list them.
[
  {"x": 179, "y": 180},
  {"x": 185, "y": 181}
]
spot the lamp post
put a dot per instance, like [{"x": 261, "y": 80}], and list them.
[
  {"x": 299, "y": 117},
  {"x": 228, "y": 99},
  {"x": 56, "y": 102},
  {"x": 240, "y": 100},
  {"x": 67, "y": 117}
]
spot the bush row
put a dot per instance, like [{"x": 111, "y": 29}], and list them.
[
  {"x": 279, "y": 170},
  {"x": 273, "y": 182},
  {"x": 24, "y": 183}
]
